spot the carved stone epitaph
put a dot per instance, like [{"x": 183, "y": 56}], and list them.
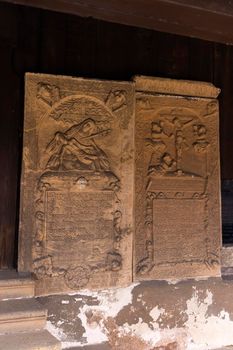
[
  {"x": 88, "y": 163},
  {"x": 177, "y": 204},
  {"x": 77, "y": 189}
]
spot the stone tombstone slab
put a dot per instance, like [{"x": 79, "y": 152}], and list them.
[
  {"x": 77, "y": 189},
  {"x": 177, "y": 203}
]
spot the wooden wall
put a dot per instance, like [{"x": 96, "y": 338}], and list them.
[{"x": 41, "y": 41}]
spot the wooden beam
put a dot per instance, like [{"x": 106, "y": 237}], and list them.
[{"x": 205, "y": 19}]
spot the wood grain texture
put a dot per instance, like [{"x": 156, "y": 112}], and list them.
[{"x": 209, "y": 20}]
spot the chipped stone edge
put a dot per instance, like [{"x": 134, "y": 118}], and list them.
[{"x": 175, "y": 87}]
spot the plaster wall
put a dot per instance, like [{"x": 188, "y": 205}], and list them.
[{"x": 151, "y": 315}]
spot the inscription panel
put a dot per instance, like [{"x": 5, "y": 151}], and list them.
[
  {"x": 77, "y": 190},
  {"x": 80, "y": 222},
  {"x": 188, "y": 218},
  {"x": 177, "y": 205}
]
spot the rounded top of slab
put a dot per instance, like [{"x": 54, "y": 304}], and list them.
[{"x": 175, "y": 87}]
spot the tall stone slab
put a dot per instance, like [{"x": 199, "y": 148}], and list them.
[
  {"x": 77, "y": 189},
  {"x": 177, "y": 203}
]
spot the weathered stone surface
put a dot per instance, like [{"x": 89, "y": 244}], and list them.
[
  {"x": 16, "y": 287},
  {"x": 39, "y": 340},
  {"x": 227, "y": 256},
  {"x": 176, "y": 87},
  {"x": 177, "y": 205},
  {"x": 77, "y": 188},
  {"x": 21, "y": 315}
]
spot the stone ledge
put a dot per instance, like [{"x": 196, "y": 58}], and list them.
[
  {"x": 41, "y": 340},
  {"x": 102, "y": 346},
  {"x": 176, "y": 87},
  {"x": 21, "y": 315},
  {"x": 16, "y": 288}
]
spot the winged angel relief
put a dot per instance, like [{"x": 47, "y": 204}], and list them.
[{"x": 76, "y": 149}]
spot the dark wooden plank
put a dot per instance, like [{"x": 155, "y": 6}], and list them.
[
  {"x": 8, "y": 161},
  {"x": 17, "y": 54},
  {"x": 8, "y": 136},
  {"x": 209, "y": 20},
  {"x": 223, "y": 77}
]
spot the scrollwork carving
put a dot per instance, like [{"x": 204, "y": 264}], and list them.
[
  {"x": 114, "y": 261},
  {"x": 77, "y": 277},
  {"x": 212, "y": 258},
  {"x": 146, "y": 264},
  {"x": 43, "y": 267},
  {"x": 75, "y": 155}
]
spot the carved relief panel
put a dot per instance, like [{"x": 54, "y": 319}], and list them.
[
  {"x": 77, "y": 189},
  {"x": 177, "y": 204}
]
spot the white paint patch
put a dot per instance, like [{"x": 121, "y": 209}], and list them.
[
  {"x": 174, "y": 281},
  {"x": 94, "y": 334},
  {"x": 55, "y": 331},
  {"x": 155, "y": 313},
  {"x": 18, "y": 298},
  {"x": 207, "y": 332},
  {"x": 200, "y": 331},
  {"x": 142, "y": 331},
  {"x": 149, "y": 333},
  {"x": 111, "y": 302}
]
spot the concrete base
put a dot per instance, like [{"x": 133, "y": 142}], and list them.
[
  {"x": 41, "y": 340},
  {"x": 21, "y": 315},
  {"x": 22, "y": 318},
  {"x": 14, "y": 285}
]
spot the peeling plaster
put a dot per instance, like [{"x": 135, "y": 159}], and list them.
[
  {"x": 153, "y": 335},
  {"x": 127, "y": 320},
  {"x": 207, "y": 332},
  {"x": 111, "y": 302},
  {"x": 142, "y": 330}
]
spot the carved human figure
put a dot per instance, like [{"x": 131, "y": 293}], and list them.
[
  {"x": 76, "y": 149},
  {"x": 167, "y": 164},
  {"x": 180, "y": 142},
  {"x": 201, "y": 144},
  {"x": 158, "y": 133}
]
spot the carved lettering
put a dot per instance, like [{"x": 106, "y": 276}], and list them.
[
  {"x": 176, "y": 181},
  {"x": 76, "y": 208}
]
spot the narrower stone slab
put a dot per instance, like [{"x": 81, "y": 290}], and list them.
[
  {"x": 77, "y": 189},
  {"x": 177, "y": 203}
]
